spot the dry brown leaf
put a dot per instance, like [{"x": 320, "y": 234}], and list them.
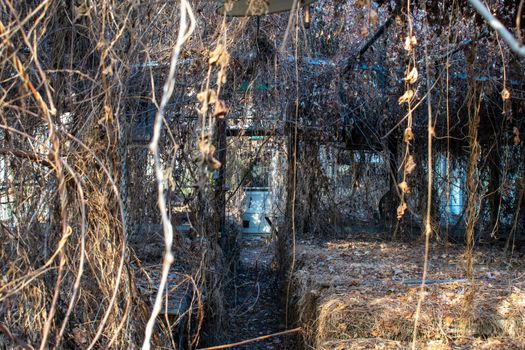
[
  {"x": 403, "y": 186},
  {"x": 211, "y": 97},
  {"x": 401, "y": 210},
  {"x": 207, "y": 150},
  {"x": 360, "y": 3},
  {"x": 505, "y": 94},
  {"x": 201, "y": 96},
  {"x": 410, "y": 43},
  {"x": 399, "y": 21},
  {"x": 213, "y": 164},
  {"x": 516, "y": 132},
  {"x": 411, "y": 77},
  {"x": 448, "y": 320},
  {"x": 216, "y": 54},
  {"x": 364, "y": 31},
  {"x": 220, "y": 109},
  {"x": 224, "y": 59},
  {"x": 410, "y": 165},
  {"x": 408, "y": 135},
  {"x": 221, "y": 77},
  {"x": 373, "y": 18},
  {"x": 407, "y": 97}
]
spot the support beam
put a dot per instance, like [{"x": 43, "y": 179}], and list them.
[
  {"x": 234, "y": 132},
  {"x": 369, "y": 43}
]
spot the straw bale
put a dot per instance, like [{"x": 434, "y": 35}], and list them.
[{"x": 349, "y": 292}]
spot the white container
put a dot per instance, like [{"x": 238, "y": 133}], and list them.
[{"x": 256, "y": 210}]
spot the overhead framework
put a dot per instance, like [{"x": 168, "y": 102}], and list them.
[{"x": 243, "y": 8}]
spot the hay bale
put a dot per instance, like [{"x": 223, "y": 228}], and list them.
[
  {"x": 342, "y": 295},
  {"x": 460, "y": 344},
  {"x": 364, "y": 344}
]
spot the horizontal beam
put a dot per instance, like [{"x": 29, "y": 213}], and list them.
[
  {"x": 36, "y": 158},
  {"x": 234, "y": 132}
]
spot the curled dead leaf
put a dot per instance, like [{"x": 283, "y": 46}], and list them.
[
  {"x": 220, "y": 109},
  {"x": 201, "y": 96},
  {"x": 403, "y": 186},
  {"x": 213, "y": 164},
  {"x": 399, "y": 21},
  {"x": 410, "y": 165},
  {"x": 219, "y": 56},
  {"x": 408, "y": 135},
  {"x": 407, "y": 97},
  {"x": 373, "y": 18},
  {"x": 221, "y": 77},
  {"x": 224, "y": 59},
  {"x": 207, "y": 156},
  {"x": 364, "y": 31},
  {"x": 505, "y": 94},
  {"x": 411, "y": 77},
  {"x": 216, "y": 54},
  {"x": 360, "y": 3},
  {"x": 210, "y": 97},
  {"x": 410, "y": 43},
  {"x": 517, "y": 139},
  {"x": 401, "y": 210}
]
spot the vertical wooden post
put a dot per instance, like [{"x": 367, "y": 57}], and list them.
[
  {"x": 494, "y": 198},
  {"x": 284, "y": 234},
  {"x": 220, "y": 184},
  {"x": 392, "y": 199},
  {"x": 290, "y": 174},
  {"x": 523, "y": 185}
]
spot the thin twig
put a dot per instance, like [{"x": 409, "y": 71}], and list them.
[{"x": 264, "y": 337}]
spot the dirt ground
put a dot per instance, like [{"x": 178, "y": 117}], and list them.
[{"x": 254, "y": 299}]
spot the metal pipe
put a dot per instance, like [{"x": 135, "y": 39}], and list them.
[{"x": 499, "y": 27}]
